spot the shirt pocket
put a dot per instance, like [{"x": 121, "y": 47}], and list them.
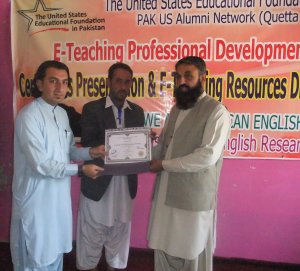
[{"x": 66, "y": 138}]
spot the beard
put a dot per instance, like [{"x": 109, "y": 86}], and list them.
[{"x": 186, "y": 96}]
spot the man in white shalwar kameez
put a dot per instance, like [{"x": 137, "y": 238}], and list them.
[
  {"x": 41, "y": 224},
  {"x": 188, "y": 160},
  {"x": 105, "y": 207}
]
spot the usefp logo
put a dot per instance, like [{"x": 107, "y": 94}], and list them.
[{"x": 41, "y": 18}]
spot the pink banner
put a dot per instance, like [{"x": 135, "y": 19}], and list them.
[{"x": 252, "y": 51}]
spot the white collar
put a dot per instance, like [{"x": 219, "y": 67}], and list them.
[{"x": 109, "y": 103}]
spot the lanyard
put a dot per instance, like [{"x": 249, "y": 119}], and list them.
[{"x": 120, "y": 115}]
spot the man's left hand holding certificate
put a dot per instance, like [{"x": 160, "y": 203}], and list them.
[{"x": 128, "y": 151}]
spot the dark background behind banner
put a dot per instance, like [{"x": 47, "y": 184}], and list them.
[{"x": 258, "y": 206}]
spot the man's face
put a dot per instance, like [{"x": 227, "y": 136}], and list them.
[
  {"x": 188, "y": 75},
  {"x": 120, "y": 85},
  {"x": 54, "y": 86},
  {"x": 188, "y": 86}
]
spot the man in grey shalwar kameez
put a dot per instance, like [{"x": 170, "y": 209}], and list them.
[{"x": 188, "y": 159}]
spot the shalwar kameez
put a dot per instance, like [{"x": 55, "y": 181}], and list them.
[
  {"x": 185, "y": 240},
  {"x": 41, "y": 226}
]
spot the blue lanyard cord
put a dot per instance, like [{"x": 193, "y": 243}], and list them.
[{"x": 120, "y": 115}]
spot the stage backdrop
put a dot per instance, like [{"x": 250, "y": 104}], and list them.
[{"x": 251, "y": 47}]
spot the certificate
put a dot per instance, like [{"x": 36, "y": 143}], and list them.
[{"x": 128, "y": 151}]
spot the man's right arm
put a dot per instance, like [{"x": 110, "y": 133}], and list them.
[{"x": 156, "y": 149}]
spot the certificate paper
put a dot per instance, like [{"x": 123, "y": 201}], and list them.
[{"x": 128, "y": 150}]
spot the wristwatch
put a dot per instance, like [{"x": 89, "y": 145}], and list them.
[{"x": 80, "y": 171}]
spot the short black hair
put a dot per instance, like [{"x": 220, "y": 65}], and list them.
[
  {"x": 198, "y": 62},
  {"x": 41, "y": 73},
  {"x": 118, "y": 65}
]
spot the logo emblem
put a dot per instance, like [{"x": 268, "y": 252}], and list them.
[{"x": 31, "y": 13}]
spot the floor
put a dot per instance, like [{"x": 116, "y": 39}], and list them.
[{"x": 142, "y": 260}]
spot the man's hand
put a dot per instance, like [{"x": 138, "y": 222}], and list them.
[
  {"x": 96, "y": 152},
  {"x": 153, "y": 136},
  {"x": 156, "y": 166},
  {"x": 92, "y": 171}
]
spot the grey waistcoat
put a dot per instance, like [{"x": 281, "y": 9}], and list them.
[{"x": 194, "y": 191}]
